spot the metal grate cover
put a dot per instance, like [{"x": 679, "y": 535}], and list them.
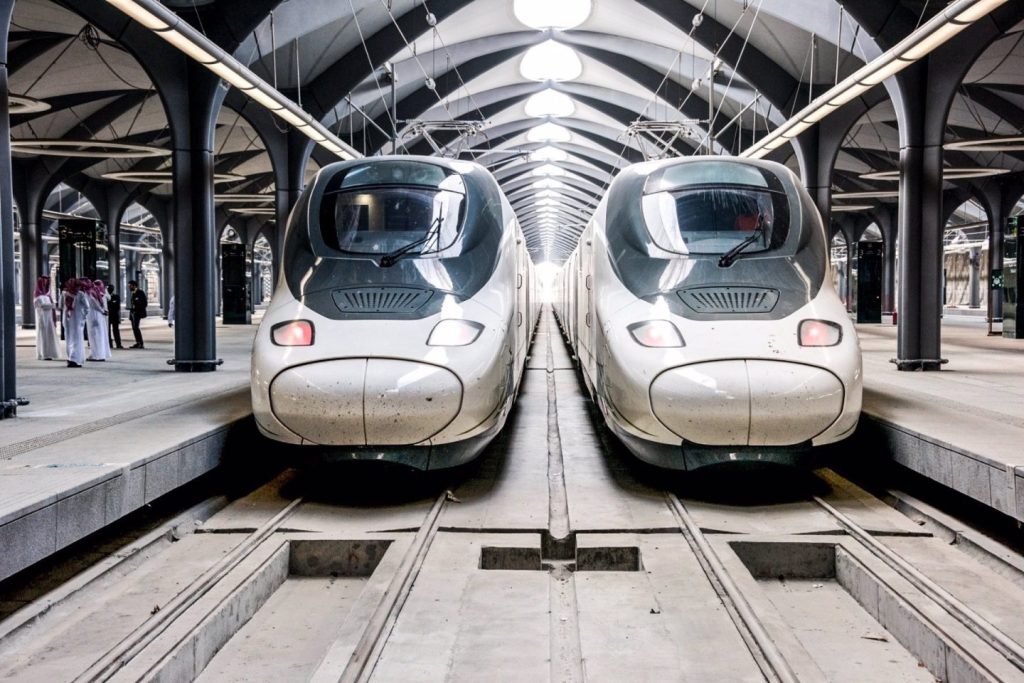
[
  {"x": 730, "y": 299},
  {"x": 380, "y": 299}
]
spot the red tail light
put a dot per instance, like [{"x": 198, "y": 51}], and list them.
[
  {"x": 820, "y": 333},
  {"x": 294, "y": 333}
]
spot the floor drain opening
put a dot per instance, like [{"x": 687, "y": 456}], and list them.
[{"x": 561, "y": 557}]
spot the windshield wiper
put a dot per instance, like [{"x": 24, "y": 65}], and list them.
[
  {"x": 729, "y": 257},
  {"x": 391, "y": 258}
]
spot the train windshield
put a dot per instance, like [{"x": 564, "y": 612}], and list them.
[
  {"x": 714, "y": 217},
  {"x": 404, "y": 210}
]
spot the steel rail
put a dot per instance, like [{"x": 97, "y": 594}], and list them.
[
  {"x": 367, "y": 652},
  {"x": 766, "y": 653},
  {"x": 1006, "y": 646},
  {"x": 131, "y": 645}
]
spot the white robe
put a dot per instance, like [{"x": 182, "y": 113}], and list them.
[
  {"x": 47, "y": 346},
  {"x": 74, "y": 328},
  {"x": 99, "y": 331}
]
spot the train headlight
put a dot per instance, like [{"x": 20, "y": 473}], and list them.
[
  {"x": 820, "y": 333},
  {"x": 657, "y": 334},
  {"x": 454, "y": 333},
  {"x": 292, "y": 333}
]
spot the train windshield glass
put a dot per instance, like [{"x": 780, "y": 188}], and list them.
[
  {"x": 416, "y": 213},
  {"x": 712, "y": 217}
]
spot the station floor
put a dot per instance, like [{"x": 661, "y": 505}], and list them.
[{"x": 97, "y": 443}]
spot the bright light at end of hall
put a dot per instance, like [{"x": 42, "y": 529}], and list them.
[
  {"x": 548, "y": 154},
  {"x": 556, "y": 14},
  {"x": 549, "y": 103},
  {"x": 547, "y": 184},
  {"x": 548, "y": 132},
  {"x": 550, "y": 61},
  {"x": 547, "y": 273}
]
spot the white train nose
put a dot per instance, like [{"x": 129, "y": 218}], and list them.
[
  {"x": 717, "y": 404},
  {"x": 366, "y": 401}
]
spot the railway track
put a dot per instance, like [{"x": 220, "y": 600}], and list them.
[{"x": 555, "y": 557}]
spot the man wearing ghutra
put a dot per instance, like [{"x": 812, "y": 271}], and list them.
[{"x": 47, "y": 346}]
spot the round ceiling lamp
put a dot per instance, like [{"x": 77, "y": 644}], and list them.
[
  {"x": 253, "y": 210},
  {"x": 243, "y": 198},
  {"x": 1001, "y": 143},
  {"x": 161, "y": 177},
  {"x": 549, "y": 103},
  {"x": 868, "y": 194},
  {"x": 841, "y": 208},
  {"x": 556, "y": 14},
  {"x": 548, "y": 132},
  {"x": 86, "y": 149},
  {"x": 551, "y": 61},
  {"x": 958, "y": 173},
  {"x": 548, "y": 154},
  {"x": 21, "y": 104}
]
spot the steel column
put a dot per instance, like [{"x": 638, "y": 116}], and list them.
[
  {"x": 195, "y": 237},
  {"x": 8, "y": 385},
  {"x": 920, "y": 247}
]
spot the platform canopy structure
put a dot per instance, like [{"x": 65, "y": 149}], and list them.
[{"x": 211, "y": 114}]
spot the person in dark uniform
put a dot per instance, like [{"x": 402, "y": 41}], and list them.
[
  {"x": 114, "y": 316},
  {"x": 137, "y": 311}
]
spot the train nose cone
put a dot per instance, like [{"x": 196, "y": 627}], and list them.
[
  {"x": 747, "y": 402},
  {"x": 366, "y": 401}
]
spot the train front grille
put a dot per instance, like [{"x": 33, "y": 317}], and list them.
[
  {"x": 381, "y": 299},
  {"x": 730, "y": 299}
]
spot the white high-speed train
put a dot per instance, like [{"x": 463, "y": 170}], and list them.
[
  {"x": 699, "y": 305},
  {"x": 402, "y": 318}
]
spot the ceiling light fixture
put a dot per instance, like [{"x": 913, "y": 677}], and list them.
[
  {"x": 1002, "y": 143},
  {"x": 930, "y": 35},
  {"x": 22, "y": 104},
  {"x": 549, "y": 103},
  {"x": 556, "y": 14},
  {"x": 548, "y": 154},
  {"x": 549, "y": 61},
  {"x": 253, "y": 210},
  {"x": 868, "y": 194},
  {"x": 86, "y": 149},
  {"x": 168, "y": 26},
  {"x": 161, "y": 177},
  {"x": 958, "y": 173},
  {"x": 549, "y": 132},
  {"x": 549, "y": 170},
  {"x": 240, "y": 198}
]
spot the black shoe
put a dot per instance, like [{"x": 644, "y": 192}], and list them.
[
  {"x": 72, "y": 364},
  {"x": 135, "y": 346},
  {"x": 119, "y": 347}
]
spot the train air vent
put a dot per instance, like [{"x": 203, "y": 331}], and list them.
[
  {"x": 711, "y": 300},
  {"x": 381, "y": 299}
]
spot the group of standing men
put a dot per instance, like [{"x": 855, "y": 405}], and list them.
[{"x": 85, "y": 305}]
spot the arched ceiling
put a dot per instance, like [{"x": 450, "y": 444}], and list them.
[{"x": 653, "y": 73}]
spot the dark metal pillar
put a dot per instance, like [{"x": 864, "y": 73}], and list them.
[
  {"x": 195, "y": 238},
  {"x": 920, "y": 247},
  {"x": 8, "y": 385},
  {"x": 923, "y": 105},
  {"x": 30, "y": 210}
]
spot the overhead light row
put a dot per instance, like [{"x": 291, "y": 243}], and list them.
[
  {"x": 167, "y": 25},
  {"x": 917, "y": 45}
]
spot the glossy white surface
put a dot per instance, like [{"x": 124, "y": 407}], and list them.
[{"x": 405, "y": 403}]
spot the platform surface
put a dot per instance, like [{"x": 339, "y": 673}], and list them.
[
  {"x": 962, "y": 426},
  {"x": 98, "y": 442}
]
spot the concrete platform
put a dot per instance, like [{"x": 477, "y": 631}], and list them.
[
  {"x": 99, "y": 442},
  {"x": 962, "y": 427}
]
